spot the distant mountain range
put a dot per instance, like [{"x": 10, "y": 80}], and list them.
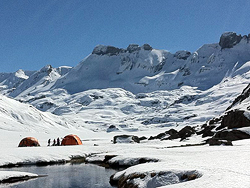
[{"x": 138, "y": 69}]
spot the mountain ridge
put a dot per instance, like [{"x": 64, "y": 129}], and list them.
[
  {"x": 144, "y": 69},
  {"x": 138, "y": 88}
]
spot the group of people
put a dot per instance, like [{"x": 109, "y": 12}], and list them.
[{"x": 56, "y": 142}]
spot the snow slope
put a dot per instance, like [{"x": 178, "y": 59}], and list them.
[{"x": 219, "y": 166}]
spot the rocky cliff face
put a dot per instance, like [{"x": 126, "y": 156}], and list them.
[
  {"x": 111, "y": 50},
  {"x": 229, "y": 39}
]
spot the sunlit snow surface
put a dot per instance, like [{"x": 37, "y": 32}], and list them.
[{"x": 220, "y": 166}]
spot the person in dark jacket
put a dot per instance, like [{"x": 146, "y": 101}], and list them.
[
  {"x": 54, "y": 142},
  {"x": 58, "y": 142},
  {"x": 49, "y": 142}
]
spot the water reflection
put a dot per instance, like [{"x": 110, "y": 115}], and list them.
[{"x": 77, "y": 175}]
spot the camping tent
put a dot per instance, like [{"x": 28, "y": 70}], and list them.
[
  {"x": 29, "y": 141},
  {"x": 71, "y": 140}
]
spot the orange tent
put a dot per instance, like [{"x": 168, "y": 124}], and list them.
[
  {"x": 71, "y": 140},
  {"x": 29, "y": 141}
]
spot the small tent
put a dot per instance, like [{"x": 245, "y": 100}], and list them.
[
  {"x": 71, "y": 140},
  {"x": 28, "y": 141}
]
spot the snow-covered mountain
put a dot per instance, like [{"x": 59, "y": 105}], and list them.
[
  {"x": 138, "y": 88},
  {"x": 16, "y": 116},
  {"x": 26, "y": 82},
  {"x": 143, "y": 69},
  {"x": 138, "y": 69}
]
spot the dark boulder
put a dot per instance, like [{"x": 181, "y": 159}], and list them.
[
  {"x": 143, "y": 138},
  {"x": 206, "y": 131},
  {"x": 186, "y": 132},
  {"x": 235, "y": 119},
  {"x": 229, "y": 39},
  {"x": 231, "y": 135},
  {"x": 168, "y": 135},
  {"x": 126, "y": 139},
  {"x": 173, "y": 134},
  {"x": 159, "y": 136},
  {"x": 216, "y": 142}
]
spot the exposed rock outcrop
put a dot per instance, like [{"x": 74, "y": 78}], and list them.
[
  {"x": 245, "y": 94},
  {"x": 206, "y": 130},
  {"x": 126, "y": 139},
  {"x": 171, "y": 134},
  {"x": 231, "y": 135},
  {"x": 216, "y": 142},
  {"x": 235, "y": 119},
  {"x": 133, "y": 48},
  {"x": 111, "y": 50},
  {"x": 147, "y": 47},
  {"x": 186, "y": 132},
  {"x": 229, "y": 39},
  {"x": 106, "y": 50},
  {"x": 182, "y": 54}
]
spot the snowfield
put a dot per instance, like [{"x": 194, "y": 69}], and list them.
[
  {"x": 136, "y": 91},
  {"x": 218, "y": 166}
]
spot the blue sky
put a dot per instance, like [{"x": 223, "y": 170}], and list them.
[{"x": 34, "y": 33}]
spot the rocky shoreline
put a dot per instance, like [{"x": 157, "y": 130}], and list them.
[{"x": 109, "y": 161}]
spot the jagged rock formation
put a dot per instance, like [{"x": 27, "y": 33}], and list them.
[
  {"x": 171, "y": 134},
  {"x": 182, "y": 54},
  {"x": 245, "y": 94},
  {"x": 235, "y": 119},
  {"x": 229, "y": 39},
  {"x": 106, "y": 50},
  {"x": 230, "y": 135},
  {"x": 111, "y": 50}
]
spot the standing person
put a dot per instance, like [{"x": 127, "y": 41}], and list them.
[
  {"x": 49, "y": 142},
  {"x": 54, "y": 142},
  {"x": 58, "y": 142}
]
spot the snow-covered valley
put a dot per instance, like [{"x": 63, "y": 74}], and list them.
[{"x": 143, "y": 92}]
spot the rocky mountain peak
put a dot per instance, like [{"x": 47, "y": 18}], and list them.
[
  {"x": 229, "y": 39},
  {"x": 106, "y": 50},
  {"x": 147, "y": 47},
  {"x": 47, "y": 68},
  {"x": 133, "y": 48},
  {"x": 111, "y": 50}
]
